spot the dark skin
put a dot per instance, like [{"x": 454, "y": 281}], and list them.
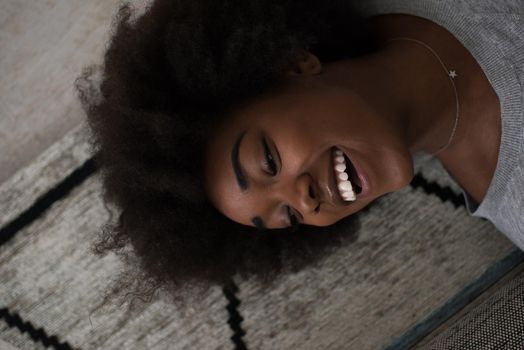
[{"x": 381, "y": 108}]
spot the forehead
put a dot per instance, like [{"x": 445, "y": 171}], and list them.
[{"x": 221, "y": 184}]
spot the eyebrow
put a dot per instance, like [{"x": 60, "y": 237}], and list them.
[
  {"x": 237, "y": 168},
  {"x": 241, "y": 178}
]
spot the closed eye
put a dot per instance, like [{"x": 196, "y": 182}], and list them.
[
  {"x": 269, "y": 163},
  {"x": 292, "y": 220}
]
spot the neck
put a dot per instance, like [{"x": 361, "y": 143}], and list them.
[{"x": 407, "y": 84}]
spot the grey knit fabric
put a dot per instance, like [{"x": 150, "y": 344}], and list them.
[
  {"x": 496, "y": 324},
  {"x": 493, "y": 32}
]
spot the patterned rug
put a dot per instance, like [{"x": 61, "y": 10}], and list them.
[{"x": 418, "y": 258}]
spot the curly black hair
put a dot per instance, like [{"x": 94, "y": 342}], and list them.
[{"x": 169, "y": 77}]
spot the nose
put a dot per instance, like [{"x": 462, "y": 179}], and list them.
[{"x": 300, "y": 194}]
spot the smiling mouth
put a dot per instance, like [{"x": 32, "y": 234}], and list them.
[{"x": 345, "y": 185}]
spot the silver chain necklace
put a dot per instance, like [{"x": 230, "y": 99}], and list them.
[{"x": 452, "y": 74}]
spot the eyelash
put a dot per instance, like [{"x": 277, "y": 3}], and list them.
[
  {"x": 293, "y": 220},
  {"x": 269, "y": 163}
]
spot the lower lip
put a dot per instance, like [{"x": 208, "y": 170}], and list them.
[{"x": 364, "y": 182}]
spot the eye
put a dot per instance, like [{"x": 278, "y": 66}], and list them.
[
  {"x": 269, "y": 163},
  {"x": 293, "y": 220}
]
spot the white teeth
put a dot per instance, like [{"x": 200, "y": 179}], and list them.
[
  {"x": 349, "y": 196},
  {"x": 345, "y": 186},
  {"x": 343, "y": 176},
  {"x": 340, "y": 167}
]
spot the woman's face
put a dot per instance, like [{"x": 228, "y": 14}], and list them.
[{"x": 298, "y": 129}]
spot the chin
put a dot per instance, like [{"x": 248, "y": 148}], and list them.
[{"x": 403, "y": 173}]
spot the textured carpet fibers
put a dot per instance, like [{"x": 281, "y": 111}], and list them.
[{"x": 417, "y": 249}]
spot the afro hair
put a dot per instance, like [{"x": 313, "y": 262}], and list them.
[{"x": 169, "y": 76}]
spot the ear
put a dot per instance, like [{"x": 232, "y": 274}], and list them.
[{"x": 309, "y": 65}]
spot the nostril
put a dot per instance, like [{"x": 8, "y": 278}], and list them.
[{"x": 311, "y": 192}]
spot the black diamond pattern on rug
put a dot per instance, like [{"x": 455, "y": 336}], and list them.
[
  {"x": 235, "y": 319},
  {"x": 443, "y": 193},
  {"x": 13, "y": 320},
  {"x": 76, "y": 178}
]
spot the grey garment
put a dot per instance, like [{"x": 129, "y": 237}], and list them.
[{"x": 493, "y": 32}]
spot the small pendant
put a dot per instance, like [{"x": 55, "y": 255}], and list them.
[{"x": 453, "y": 74}]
